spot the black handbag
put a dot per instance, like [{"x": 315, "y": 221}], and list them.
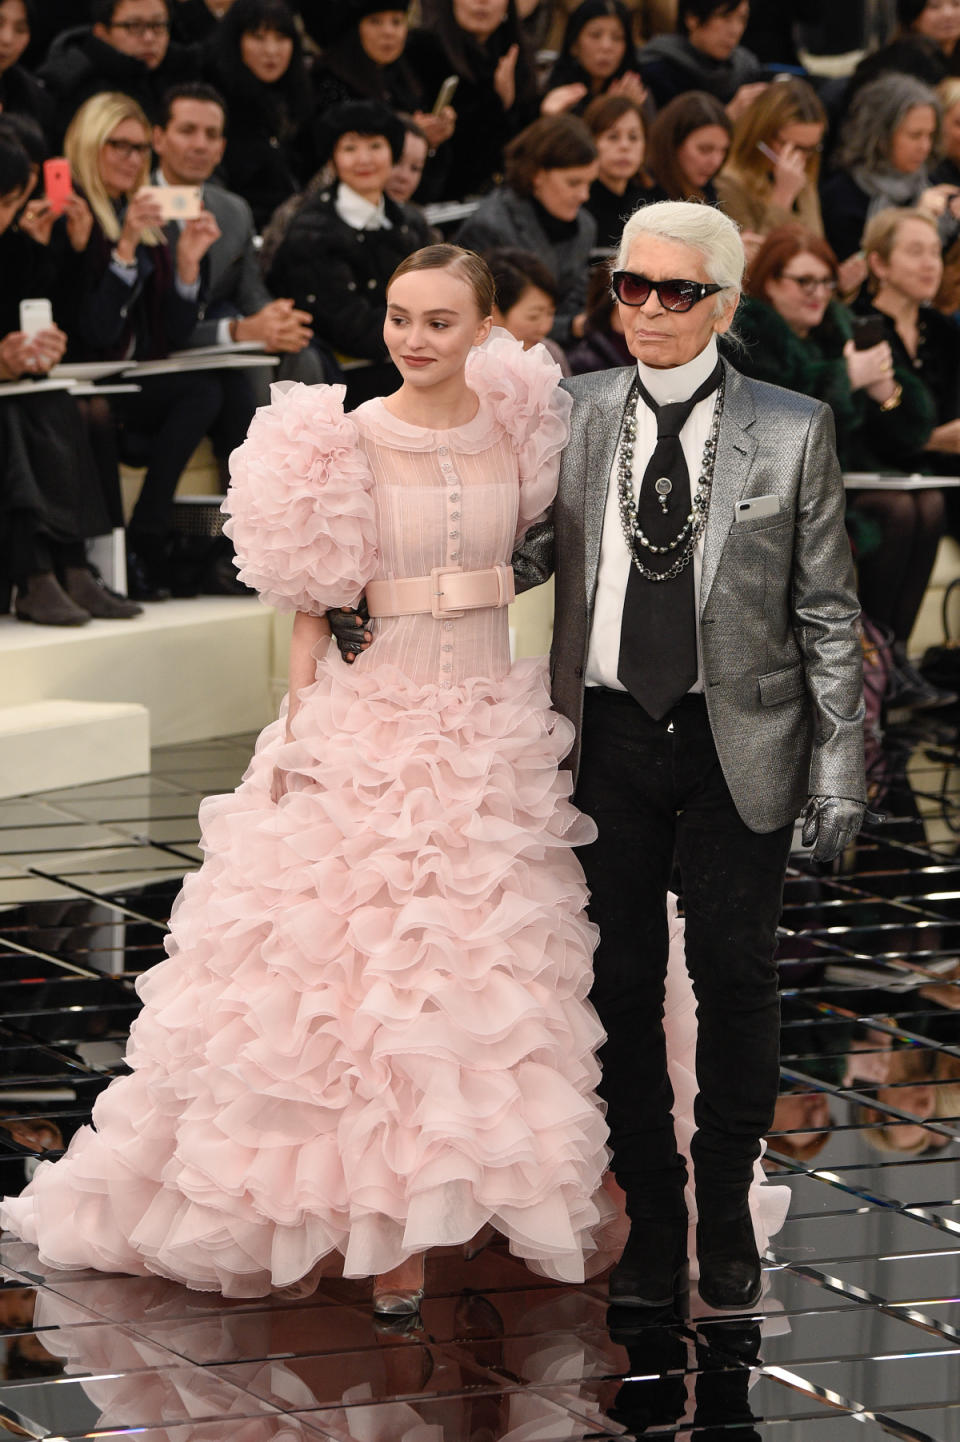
[{"x": 941, "y": 663}]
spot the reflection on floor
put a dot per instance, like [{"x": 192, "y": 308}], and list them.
[{"x": 858, "y": 1333}]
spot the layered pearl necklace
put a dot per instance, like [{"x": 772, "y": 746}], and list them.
[{"x": 690, "y": 532}]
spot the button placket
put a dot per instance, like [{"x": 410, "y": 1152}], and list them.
[{"x": 452, "y": 487}]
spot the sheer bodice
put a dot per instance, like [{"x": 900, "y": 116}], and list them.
[{"x": 443, "y": 498}]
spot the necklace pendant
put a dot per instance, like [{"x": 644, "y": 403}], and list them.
[{"x": 663, "y": 486}]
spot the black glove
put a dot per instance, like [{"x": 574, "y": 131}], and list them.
[
  {"x": 830, "y": 823},
  {"x": 351, "y": 629}
]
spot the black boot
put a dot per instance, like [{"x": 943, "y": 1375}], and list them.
[
  {"x": 653, "y": 1270},
  {"x": 730, "y": 1272},
  {"x": 148, "y": 567}
]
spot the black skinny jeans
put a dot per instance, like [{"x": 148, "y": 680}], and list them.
[{"x": 657, "y": 793}]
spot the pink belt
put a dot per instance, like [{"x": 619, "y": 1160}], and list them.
[{"x": 447, "y": 591}]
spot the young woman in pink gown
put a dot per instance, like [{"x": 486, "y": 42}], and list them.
[{"x": 371, "y": 1034}]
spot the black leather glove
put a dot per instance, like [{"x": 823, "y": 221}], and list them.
[
  {"x": 830, "y": 823},
  {"x": 351, "y": 629}
]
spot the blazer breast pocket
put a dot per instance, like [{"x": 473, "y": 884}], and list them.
[{"x": 761, "y": 523}]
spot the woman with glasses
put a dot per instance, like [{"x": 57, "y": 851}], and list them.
[
  {"x": 126, "y": 49},
  {"x": 140, "y": 300},
  {"x": 798, "y": 335},
  {"x": 770, "y": 177}
]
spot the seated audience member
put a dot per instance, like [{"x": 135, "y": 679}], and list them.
[
  {"x": 923, "y": 45},
  {"x": 603, "y": 345},
  {"x": 797, "y": 335},
  {"x": 256, "y": 63},
  {"x": 50, "y": 497},
  {"x": 881, "y": 161},
  {"x": 345, "y": 241},
  {"x": 596, "y": 58},
  {"x": 20, "y": 93},
  {"x": 704, "y": 54},
  {"x": 482, "y": 44},
  {"x": 686, "y": 148},
  {"x": 126, "y": 50},
  {"x": 189, "y": 143},
  {"x": 947, "y": 169},
  {"x": 368, "y": 60},
  {"x": 194, "y": 21},
  {"x": 526, "y": 297},
  {"x": 617, "y": 126},
  {"x": 904, "y": 258},
  {"x": 771, "y": 174},
  {"x": 407, "y": 173},
  {"x": 542, "y": 207},
  {"x": 141, "y": 300}
]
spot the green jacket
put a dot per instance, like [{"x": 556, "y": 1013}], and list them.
[{"x": 868, "y": 438}]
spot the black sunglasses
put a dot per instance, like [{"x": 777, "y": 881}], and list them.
[{"x": 672, "y": 294}]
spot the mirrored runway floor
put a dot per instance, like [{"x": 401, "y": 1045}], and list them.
[{"x": 858, "y": 1332}]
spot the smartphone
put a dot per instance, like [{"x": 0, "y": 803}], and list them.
[
  {"x": 869, "y": 332},
  {"x": 57, "y": 183},
  {"x": 35, "y": 316},
  {"x": 446, "y": 93},
  {"x": 176, "y": 202},
  {"x": 757, "y": 506}
]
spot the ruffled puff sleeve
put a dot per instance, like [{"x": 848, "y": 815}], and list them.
[
  {"x": 523, "y": 388},
  {"x": 300, "y": 502}
]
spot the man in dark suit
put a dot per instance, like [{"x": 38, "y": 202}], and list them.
[{"x": 189, "y": 142}]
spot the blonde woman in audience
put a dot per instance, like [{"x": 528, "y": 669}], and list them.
[
  {"x": 947, "y": 170},
  {"x": 772, "y": 171},
  {"x": 140, "y": 300}
]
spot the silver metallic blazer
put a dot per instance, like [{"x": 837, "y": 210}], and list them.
[{"x": 782, "y": 663}]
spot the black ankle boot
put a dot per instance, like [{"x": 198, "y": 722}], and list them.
[
  {"x": 653, "y": 1270},
  {"x": 148, "y": 567},
  {"x": 730, "y": 1272}
]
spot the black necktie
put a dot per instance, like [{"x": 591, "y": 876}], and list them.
[{"x": 658, "y": 635}]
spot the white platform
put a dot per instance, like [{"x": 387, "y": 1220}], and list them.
[
  {"x": 201, "y": 667},
  {"x": 48, "y": 744}
]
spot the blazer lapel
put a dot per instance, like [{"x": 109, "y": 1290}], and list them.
[
  {"x": 736, "y": 447},
  {"x": 602, "y": 438}
]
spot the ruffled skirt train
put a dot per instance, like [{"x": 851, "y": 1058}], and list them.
[{"x": 371, "y": 1034}]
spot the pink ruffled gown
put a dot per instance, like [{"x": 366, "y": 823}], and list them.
[{"x": 371, "y": 1034}]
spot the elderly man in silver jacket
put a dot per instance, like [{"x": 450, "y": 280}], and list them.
[{"x": 705, "y": 647}]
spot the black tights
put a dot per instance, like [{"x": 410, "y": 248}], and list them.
[{"x": 894, "y": 575}]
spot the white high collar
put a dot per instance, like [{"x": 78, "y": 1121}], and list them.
[{"x": 678, "y": 383}]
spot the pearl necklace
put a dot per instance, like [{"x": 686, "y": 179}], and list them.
[{"x": 690, "y": 532}]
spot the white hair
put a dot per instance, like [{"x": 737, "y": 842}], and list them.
[{"x": 701, "y": 227}]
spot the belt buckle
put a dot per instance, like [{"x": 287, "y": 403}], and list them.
[{"x": 438, "y": 611}]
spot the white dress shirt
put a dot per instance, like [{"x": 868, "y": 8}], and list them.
[
  {"x": 360, "y": 213},
  {"x": 665, "y": 387}
]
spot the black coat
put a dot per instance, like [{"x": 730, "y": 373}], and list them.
[
  {"x": 340, "y": 274},
  {"x": 844, "y": 207},
  {"x": 475, "y": 150},
  {"x": 267, "y": 157},
  {"x": 80, "y": 65},
  {"x": 146, "y": 320},
  {"x": 21, "y": 94}
]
